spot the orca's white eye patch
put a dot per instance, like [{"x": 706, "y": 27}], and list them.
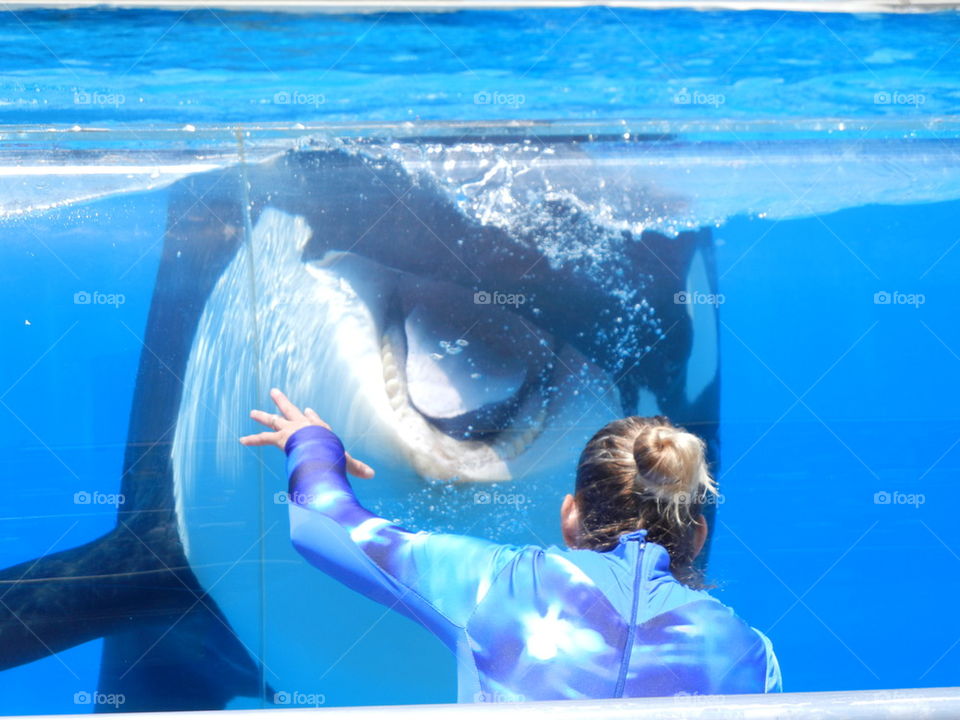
[{"x": 702, "y": 303}]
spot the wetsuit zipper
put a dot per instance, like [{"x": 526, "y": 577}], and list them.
[{"x": 632, "y": 630}]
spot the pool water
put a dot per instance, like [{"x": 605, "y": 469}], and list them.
[
  {"x": 745, "y": 220},
  {"x": 206, "y": 66}
]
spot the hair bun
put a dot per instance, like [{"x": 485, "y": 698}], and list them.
[
  {"x": 671, "y": 464},
  {"x": 644, "y": 444}
]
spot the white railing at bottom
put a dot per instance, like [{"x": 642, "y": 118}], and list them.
[{"x": 914, "y": 703}]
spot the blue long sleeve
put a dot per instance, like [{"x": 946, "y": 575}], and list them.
[{"x": 436, "y": 579}]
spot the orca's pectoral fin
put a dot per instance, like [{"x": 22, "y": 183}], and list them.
[
  {"x": 67, "y": 598},
  {"x": 167, "y": 644}
]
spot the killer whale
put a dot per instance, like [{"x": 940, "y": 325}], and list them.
[{"x": 171, "y": 622}]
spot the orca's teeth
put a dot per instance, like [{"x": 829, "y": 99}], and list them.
[{"x": 435, "y": 454}]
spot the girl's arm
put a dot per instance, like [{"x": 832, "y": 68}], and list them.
[{"x": 434, "y": 578}]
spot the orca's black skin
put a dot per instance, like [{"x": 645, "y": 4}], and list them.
[{"x": 167, "y": 645}]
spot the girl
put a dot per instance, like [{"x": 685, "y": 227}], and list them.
[{"x": 617, "y": 614}]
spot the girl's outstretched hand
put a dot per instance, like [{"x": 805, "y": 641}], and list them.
[{"x": 287, "y": 423}]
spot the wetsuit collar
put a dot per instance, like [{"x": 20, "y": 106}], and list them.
[{"x": 640, "y": 535}]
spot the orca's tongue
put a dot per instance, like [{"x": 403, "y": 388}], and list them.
[
  {"x": 469, "y": 365},
  {"x": 447, "y": 375}
]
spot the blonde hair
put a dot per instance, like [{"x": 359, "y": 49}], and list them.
[{"x": 644, "y": 472}]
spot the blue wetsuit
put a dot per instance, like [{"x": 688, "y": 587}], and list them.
[{"x": 527, "y": 623}]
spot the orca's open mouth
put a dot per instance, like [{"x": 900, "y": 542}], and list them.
[
  {"x": 470, "y": 384},
  {"x": 469, "y": 380}
]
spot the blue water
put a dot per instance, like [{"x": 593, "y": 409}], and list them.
[
  {"x": 586, "y": 63},
  {"x": 829, "y": 399}
]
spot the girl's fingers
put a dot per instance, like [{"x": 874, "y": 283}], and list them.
[
  {"x": 289, "y": 410},
  {"x": 258, "y": 439},
  {"x": 357, "y": 468},
  {"x": 292, "y": 415},
  {"x": 316, "y": 419},
  {"x": 269, "y": 419}
]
